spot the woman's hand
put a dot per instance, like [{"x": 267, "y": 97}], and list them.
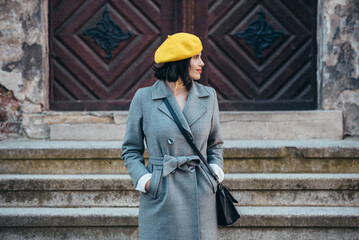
[{"x": 147, "y": 184}]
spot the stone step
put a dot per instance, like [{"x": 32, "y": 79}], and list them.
[
  {"x": 25, "y": 190},
  {"x": 241, "y": 156},
  {"x": 121, "y": 223},
  {"x": 316, "y": 124}
]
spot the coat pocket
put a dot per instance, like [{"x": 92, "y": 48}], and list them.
[
  {"x": 212, "y": 182},
  {"x": 154, "y": 186}
]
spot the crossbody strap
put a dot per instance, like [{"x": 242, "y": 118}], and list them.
[{"x": 189, "y": 139}]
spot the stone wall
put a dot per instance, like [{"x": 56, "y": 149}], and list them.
[
  {"x": 339, "y": 60},
  {"x": 24, "y": 67},
  {"x": 23, "y": 62},
  {"x": 9, "y": 114}
]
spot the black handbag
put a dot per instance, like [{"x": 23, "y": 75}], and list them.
[{"x": 227, "y": 213}]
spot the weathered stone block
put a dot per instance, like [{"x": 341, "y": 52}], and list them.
[
  {"x": 246, "y": 156},
  {"x": 121, "y": 117},
  {"x": 234, "y": 125},
  {"x": 9, "y": 115},
  {"x": 87, "y": 132},
  {"x": 282, "y": 125},
  {"x": 320, "y": 217},
  {"x": 338, "y": 65},
  {"x": 117, "y": 190}
]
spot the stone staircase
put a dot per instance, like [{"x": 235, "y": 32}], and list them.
[{"x": 80, "y": 190}]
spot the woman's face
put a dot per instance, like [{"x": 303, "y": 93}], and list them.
[{"x": 195, "y": 68}]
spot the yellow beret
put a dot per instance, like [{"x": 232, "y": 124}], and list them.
[{"x": 177, "y": 47}]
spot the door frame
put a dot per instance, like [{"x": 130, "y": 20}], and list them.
[{"x": 189, "y": 8}]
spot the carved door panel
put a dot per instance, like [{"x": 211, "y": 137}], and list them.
[
  {"x": 102, "y": 51},
  {"x": 262, "y": 54},
  {"x": 259, "y": 54}
]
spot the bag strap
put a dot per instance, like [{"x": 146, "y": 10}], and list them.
[{"x": 189, "y": 139}]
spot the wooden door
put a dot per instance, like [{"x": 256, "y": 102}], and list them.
[
  {"x": 102, "y": 50},
  {"x": 262, "y": 54},
  {"x": 259, "y": 54}
]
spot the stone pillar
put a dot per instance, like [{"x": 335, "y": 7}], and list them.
[
  {"x": 338, "y": 41},
  {"x": 24, "y": 59}
]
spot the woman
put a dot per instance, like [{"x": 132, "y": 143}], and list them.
[{"x": 177, "y": 191}]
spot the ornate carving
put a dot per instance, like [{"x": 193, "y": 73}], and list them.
[
  {"x": 259, "y": 34},
  {"x": 107, "y": 34}
]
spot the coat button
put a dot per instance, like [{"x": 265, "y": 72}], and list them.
[
  {"x": 191, "y": 169},
  {"x": 170, "y": 140}
]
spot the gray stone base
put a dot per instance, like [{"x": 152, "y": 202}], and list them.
[
  {"x": 116, "y": 190},
  {"x": 69, "y": 233},
  {"x": 283, "y": 125},
  {"x": 119, "y": 223},
  {"x": 131, "y": 233},
  {"x": 242, "y": 156},
  {"x": 289, "y": 233}
]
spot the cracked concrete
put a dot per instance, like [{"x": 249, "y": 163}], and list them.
[
  {"x": 340, "y": 73},
  {"x": 23, "y": 44}
]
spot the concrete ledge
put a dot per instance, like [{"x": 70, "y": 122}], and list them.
[
  {"x": 121, "y": 182},
  {"x": 288, "y": 233},
  {"x": 11, "y": 217},
  {"x": 340, "y": 190},
  {"x": 259, "y": 125},
  {"x": 42, "y": 149},
  {"x": 292, "y": 181},
  {"x": 298, "y": 217},
  {"x": 283, "y": 125},
  {"x": 37, "y": 125},
  {"x": 347, "y": 148},
  {"x": 250, "y": 156},
  {"x": 75, "y": 233},
  {"x": 225, "y": 233},
  {"x": 250, "y": 217},
  {"x": 98, "y": 132}
]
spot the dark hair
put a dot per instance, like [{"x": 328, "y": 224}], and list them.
[{"x": 171, "y": 71}]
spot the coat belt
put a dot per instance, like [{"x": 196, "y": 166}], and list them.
[{"x": 171, "y": 163}]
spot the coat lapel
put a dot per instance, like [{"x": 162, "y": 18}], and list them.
[
  {"x": 193, "y": 109},
  {"x": 195, "y": 106}
]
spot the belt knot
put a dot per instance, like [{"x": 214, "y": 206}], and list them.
[{"x": 183, "y": 163}]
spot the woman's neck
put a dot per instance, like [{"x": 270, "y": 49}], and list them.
[{"x": 177, "y": 88}]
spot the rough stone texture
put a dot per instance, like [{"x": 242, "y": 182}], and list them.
[
  {"x": 27, "y": 190},
  {"x": 68, "y": 217},
  {"x": 338, "y": 51},
  {"x": 101, "y": 198},
  {"x": 282, "y": 125},
  {"x": 23, "y": 50},
  {"x": 234, "y": 125},
  {"x": 250, "y": 217},
  {"x": 131, "y": 233},
  {"x": 77, "y": 182},
  {"x": 246, "y": 156},
  {"x": 289, "y": 233},
  {"x": 65, "y": 166},
  {"x": 72, "y": 233},
  {"x": 9, "y": 115},
  {"x": 256, "y": 181},
  {"x": 37, "y": 125},
  {"x": 97, "y": 132},
  {"x": 121, "y": 117}
]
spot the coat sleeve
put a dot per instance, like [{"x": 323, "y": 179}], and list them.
[
  {"x": 215, "y": 141},
  {"x": 133, "y": 145}
]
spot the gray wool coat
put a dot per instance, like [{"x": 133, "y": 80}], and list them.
[{"x": 180, "y": 202}]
